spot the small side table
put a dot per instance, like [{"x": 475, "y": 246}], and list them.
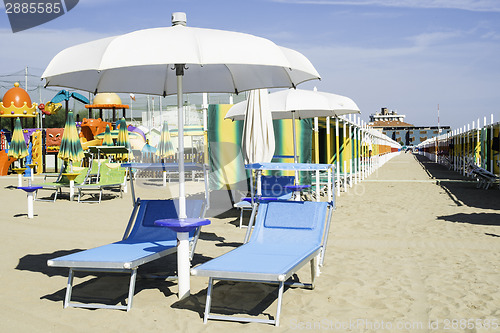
[
  {"x": 32, "y": 171},
  {"x": 182, "y": 227},
  {"x": 71, "y": 176},
  {"x": 29, "y": 190},
  {"x": 19, "y": 172},
  {"x": 297, "y": 189}
]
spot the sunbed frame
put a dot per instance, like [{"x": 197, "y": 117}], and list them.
[
  {"x": 142, "y": 242},
  {"x": 287, "y": 236}
]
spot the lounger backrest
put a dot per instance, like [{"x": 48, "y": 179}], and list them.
[
  {"x": 295, "y": 222},
  {"x": 152, "y": 210},
  {"x": 274, "y": 186},
  {"x": 111, "y": 173}
]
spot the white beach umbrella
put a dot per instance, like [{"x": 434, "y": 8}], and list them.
[
  {"x": 299, "y": 103},
  {"x": 178, "y": 60},
  {"x": 150, "y": 61}
]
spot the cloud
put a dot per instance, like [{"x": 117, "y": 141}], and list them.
[
  {"x": 425, "y": 40},
  {"x": 469, "y": 5}
]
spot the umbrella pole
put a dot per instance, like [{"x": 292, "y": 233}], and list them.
[
  {"x": 183, "y": 264},
  {"x": 295, "y": 148},
  {"x": 179, "y": 68}
]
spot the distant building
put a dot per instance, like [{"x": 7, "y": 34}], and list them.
[
  {"x": 388, "y": 118},
  {"x": 393, "y": 125}
]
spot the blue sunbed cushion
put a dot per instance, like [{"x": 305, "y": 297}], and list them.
[
  {"x": 279, "y": 215},
  {"x": 286, "y": 234}
]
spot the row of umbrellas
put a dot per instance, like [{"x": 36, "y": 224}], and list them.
[{"x": 71, "y": 150}]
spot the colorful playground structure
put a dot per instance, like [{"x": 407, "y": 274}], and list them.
[
  {"x": 16, "y": 103},
  {"x": 45, "y": 142}
]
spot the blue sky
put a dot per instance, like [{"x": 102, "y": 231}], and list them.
[{"x": 407, "y": 55}]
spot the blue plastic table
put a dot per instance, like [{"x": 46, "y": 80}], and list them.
[
  {"x": 182, "y": 226},
  {"x": 29, "y": 190}
]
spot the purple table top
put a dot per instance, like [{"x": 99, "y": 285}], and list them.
[
  {"x": 262, "y": 199},
  {"x": 29, "y": 188},
  {"x": 297, "y": 187},
  {"x": 182, "y": 225}
]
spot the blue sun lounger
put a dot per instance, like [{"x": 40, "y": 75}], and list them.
[
  {"x": 287, "y": 236},
  {"x": 142, "y": 242},
  {"x": 273, "y": 188}
]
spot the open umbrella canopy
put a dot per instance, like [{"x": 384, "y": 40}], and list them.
[
  {"x": 214, "y": 61},
  {"x": 123, "y": 139},
  {"x": 302, "y": 103},
  {"x": 165, "y": 147},
  {"x": 71, "y": 147},
  {"x": 107, "y": 139},
  {"x": 17, "y": 147}
]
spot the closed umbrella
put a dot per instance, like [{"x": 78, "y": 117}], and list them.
[
  {"x": 71, "y": 146},
  {"x": 17, "y": 148},
  {"x": 123, "y": 139},
  {"x": 107, "y": 140},
  {"x": 205, "y": 60},
  {"x": 165, "y": 148},
  {"x": 258, "y": 134},
  {"x": 71, "y": 149}
]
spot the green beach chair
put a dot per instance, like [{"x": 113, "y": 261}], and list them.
[
  {"x": 61, "y": 182},
  {"x": 111, "y": 176}
]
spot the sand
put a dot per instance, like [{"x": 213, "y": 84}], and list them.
[{"x": 411, "y": 248}]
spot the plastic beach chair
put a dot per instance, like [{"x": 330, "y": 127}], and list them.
[
  {"x": 111, "y": 176},
  {"x": 61, "y": 182},
  {"x": 273, "y": 188},
  {"x": 287, "y": 236},
  {"x": 142, "y": 242}
]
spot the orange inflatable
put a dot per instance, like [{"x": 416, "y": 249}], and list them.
[
  {"x": 92, "y": 127},
  {"x": 5, "y": 162}
]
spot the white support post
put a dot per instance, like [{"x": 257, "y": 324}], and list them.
[
  {"x": 183, "y": 264},
  {"x": 337, "y": 166},
  {"x": 491, "y": 159},
  {"x": 345, "y": 176},
  {"x": 71, "y": 189},
  {"x": 30, "y": 205}
]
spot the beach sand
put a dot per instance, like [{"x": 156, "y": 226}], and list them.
[{"x": 411, "y": 248}]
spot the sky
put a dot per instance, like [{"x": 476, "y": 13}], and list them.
[{"x": 411, "y": 56}]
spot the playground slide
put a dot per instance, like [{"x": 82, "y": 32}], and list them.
[{"x": 5, "y": 162}]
